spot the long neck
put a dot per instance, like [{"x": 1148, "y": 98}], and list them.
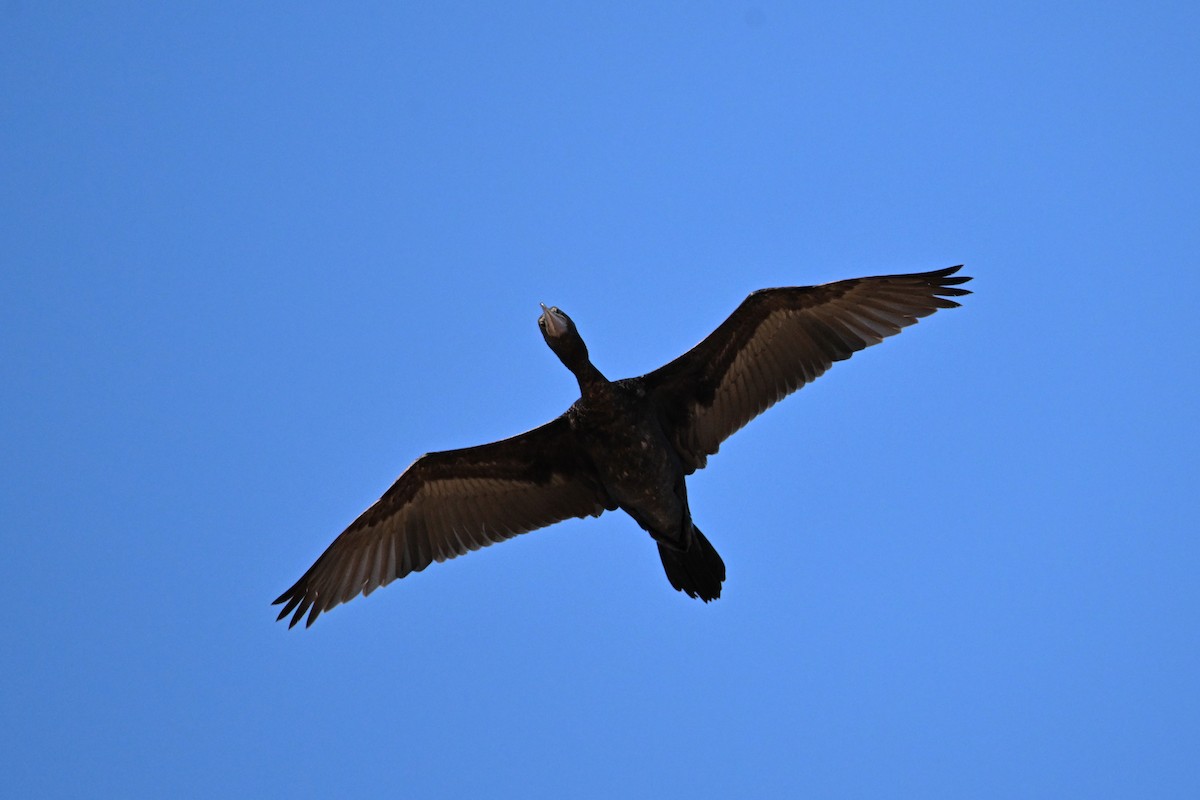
[
  {"x": 590, "y": 379},
  {"x": 574, "y": 355}
]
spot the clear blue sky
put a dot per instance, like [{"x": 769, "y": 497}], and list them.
[{"x": 256, "y": 259}]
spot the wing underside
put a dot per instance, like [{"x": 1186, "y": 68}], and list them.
[
  {"x": 447, "y": 504},
  {"x": 777, "y": 341}
]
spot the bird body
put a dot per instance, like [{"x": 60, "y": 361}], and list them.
[
  {"x": 625, "y": 444},
  {"x": 647, "y": 478}
]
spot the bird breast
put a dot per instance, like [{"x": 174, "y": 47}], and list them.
[{"x": 638, "y": 466}]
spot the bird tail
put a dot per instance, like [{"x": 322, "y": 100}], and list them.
[{"x": 698, "y": 571}]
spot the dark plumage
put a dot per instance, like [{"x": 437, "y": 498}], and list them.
[{"x": 625, "y": 444}]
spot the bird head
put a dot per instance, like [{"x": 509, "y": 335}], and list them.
[
  {"x": 561, "y": 335},
  {"x": 554, "y": 322}
]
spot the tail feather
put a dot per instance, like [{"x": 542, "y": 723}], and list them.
[{"x": 698, "y": 572}]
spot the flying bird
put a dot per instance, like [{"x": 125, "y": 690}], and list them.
[{"x": 627, "y": 444}]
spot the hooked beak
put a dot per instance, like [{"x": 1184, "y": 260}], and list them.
[{"x": 555, "y": 325}]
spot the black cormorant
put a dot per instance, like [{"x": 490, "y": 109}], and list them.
[{"x": 625, "y": 444}]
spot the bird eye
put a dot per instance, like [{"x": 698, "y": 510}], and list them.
[{"x": 554, "y": 310}]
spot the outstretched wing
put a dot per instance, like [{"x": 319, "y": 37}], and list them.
[
  {"x": 778, "y": 340},
  {"x": 448, "y": 503}
]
